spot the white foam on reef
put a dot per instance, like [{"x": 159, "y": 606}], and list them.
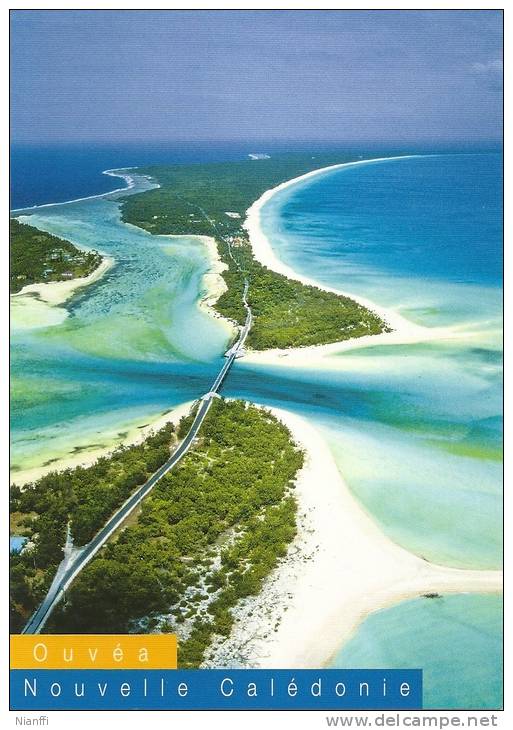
[{"x": 122, "y": 173}]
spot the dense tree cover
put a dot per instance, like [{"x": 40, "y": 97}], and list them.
[
  {"x": 196, "y": 199},
  {"x": 287, "y": 313},
  {"x": 193, "y": 196},
  {"x": 82, "y": 498},
  {"x": 37, "y": 257},
  {"x": 186, "y": 422},
  {"x": 207, "y": 535}
]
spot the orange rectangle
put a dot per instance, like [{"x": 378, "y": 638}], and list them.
[{"x": 93, "y": 651}]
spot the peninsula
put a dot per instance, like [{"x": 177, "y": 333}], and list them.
[
  {"x": 212, "y": 200},
  {"x": 37, "y": 257},
  {"x": 207, "y": 536}
]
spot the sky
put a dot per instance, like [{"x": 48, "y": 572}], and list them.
[{"x": 379, "y": 76}]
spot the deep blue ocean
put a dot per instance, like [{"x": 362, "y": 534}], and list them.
[
  {"x": 435, "y": 217},
  {"x": 55, "y": 173}
]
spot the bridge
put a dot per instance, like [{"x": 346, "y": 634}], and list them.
[{"x": 75, "y": 559}]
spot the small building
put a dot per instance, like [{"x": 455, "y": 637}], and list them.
[{"x": 17, "y": 543}]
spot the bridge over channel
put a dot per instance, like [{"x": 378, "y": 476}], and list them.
[{"x": 75, "y": 559}]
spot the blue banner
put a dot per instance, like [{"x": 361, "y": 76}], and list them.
[{"x": 217, "y": 689}]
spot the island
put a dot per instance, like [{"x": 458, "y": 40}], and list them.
[{"x": 37, "y": 257}]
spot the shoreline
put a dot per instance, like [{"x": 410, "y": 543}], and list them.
[
  {"x": 403, "y": 330},
  {"x": 213, "y": 283},
  {"x": 215, "y": 286},
  {"x": 55, "y": 293},
  {"x": 135, "y": 435},
  {"x": 114, "y": 172},
  {"x": 338, "y": 570},
  {"x": 340, "y": 567},
  {"x": 45, "y": 298}
]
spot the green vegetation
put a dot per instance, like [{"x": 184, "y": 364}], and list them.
[
  {"x": 196, "y": 199},
  {"x": 82, "y": 498},
  {"x": 207, "y": 535},
  {"x": 40, "y": 257}
]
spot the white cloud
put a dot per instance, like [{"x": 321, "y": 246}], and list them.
[{"x": 494, "y": 65}]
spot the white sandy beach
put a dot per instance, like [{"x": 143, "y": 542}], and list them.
[
  {"x": 39, "y": 305},
  {"x": 58, "y": 292},
  {"x": 340, "y": 568},
  {"x": 403, "y": 330},
  {"x": 213, "y": 283}
]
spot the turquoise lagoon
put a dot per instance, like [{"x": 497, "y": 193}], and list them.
[
  {"x": 415, "y": 430},
  {"x": 458, "y": 644},
  {"x": 134, "y": 345}
]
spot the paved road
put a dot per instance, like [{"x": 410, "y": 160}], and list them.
[{"x": 75, "y": 560}]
